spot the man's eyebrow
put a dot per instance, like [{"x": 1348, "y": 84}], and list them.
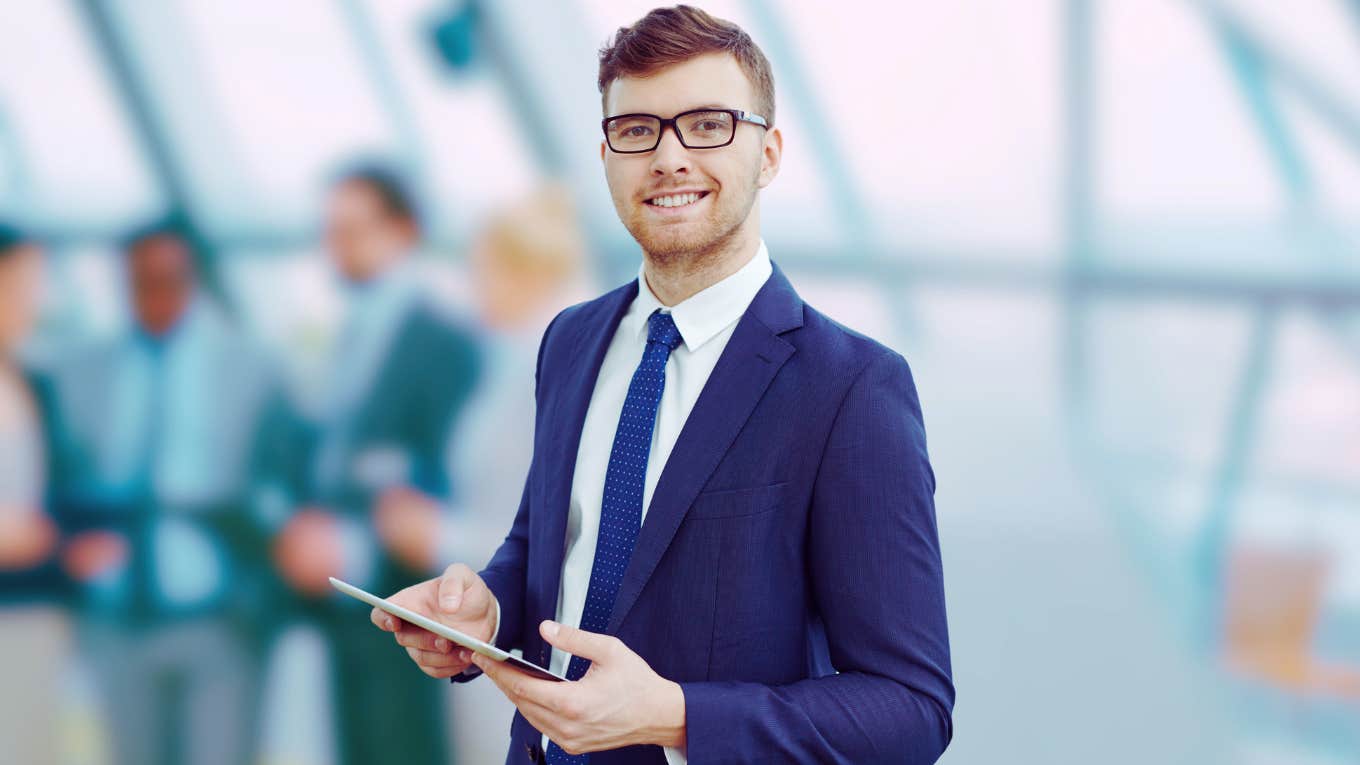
[{"x": 687, "y": 109}]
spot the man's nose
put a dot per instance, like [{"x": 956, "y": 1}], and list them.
[{"x": 670, "y": 156}]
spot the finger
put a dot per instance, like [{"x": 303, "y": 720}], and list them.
[
  {"x": 578, "y": 642},
  {"x": 437, "y": 660},
  {"x": 520, "y": 686},
  {"x": 384, "y": 621},
  {"x": 453, "y": 586},
  {"x": 539, "y": 715},
  {"x": 415, "y": 637}
]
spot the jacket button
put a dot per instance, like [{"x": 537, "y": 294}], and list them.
[{"x": 534, "y": 752}]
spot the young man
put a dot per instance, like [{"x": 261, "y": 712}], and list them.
[{"x": 728, "y": 518}]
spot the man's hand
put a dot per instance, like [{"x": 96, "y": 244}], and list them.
[
  {"x": 309, "y": 551},
  {"x": 408, "y": 524},
  {"x": 459, "y": 599},
  {"x": 619, "y": 702},
  {"x": 93, "y": 554}
]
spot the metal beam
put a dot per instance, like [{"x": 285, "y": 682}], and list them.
[
  {"x": 1209, "y": 558},
  {"x": 153, "y": 136}
]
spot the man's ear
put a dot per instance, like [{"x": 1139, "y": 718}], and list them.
[
  {"x": 771, "y": 153},
  {"x": 601, "y": 150}
]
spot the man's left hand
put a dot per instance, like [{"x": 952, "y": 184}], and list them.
[{"x": 619, "y": 702}]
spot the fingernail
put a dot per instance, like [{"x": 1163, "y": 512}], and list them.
[
  {"x": 441, "y": 645},
  {"x": 550, "y": 628},
  {"x": 450, "y": 602},
  {"x": 465, "y": 655},
  {"x": 391, "y": 624}
]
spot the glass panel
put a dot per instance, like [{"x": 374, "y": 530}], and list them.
[
  {"x": 947, "y": 114},
  {"x": 68, "y": 156},
  {"x": 296, "y": 103},
  {"x": 476, "y": 156}
]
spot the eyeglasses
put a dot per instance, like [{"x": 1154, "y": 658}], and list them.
[{"x": 696, "y": 129}]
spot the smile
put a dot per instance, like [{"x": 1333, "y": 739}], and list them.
[{"x": 677, "y": 200}]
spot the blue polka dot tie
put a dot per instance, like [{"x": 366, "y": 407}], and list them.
[{"x": 624, "y": 480}]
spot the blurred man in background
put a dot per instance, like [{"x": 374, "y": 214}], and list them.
[
  {"x": 33, "y": 631},
  {"x": 400, "y": 376},
  {"x": 170, "y": 427}
]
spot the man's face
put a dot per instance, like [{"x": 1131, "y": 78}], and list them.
[
  {"x": 726, "y": 179},
  {"x": 161, "y": 278},
  {"x": 362, "y": 235},
  {"x": 20, "y": 272}
]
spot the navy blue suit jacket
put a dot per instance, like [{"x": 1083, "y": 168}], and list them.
[{"x": 788, "y": 571}]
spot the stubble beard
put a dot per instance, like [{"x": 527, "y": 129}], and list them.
[{"x": 705, "y": 242}]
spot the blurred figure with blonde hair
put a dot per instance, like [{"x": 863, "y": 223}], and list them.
[{"x": 527, "y": 264}]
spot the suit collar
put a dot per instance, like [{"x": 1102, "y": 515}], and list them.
[{"x": 703, "y": 315}]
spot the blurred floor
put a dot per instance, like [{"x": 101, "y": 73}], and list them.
[{"x": 1061, "y": 653}]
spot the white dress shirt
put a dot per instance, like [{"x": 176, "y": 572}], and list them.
[
  {"x": 706, "y": 321},
  {"x": 21, "y": 445}
]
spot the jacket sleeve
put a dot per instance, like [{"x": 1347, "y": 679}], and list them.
[{"x": 874, "y": 561}]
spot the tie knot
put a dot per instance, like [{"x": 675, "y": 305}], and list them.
[{"x": 661, "y": 329}]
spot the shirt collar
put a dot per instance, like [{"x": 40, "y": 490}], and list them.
[{"x": 701, "y": 316}]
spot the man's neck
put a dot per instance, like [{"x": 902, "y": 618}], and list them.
[{"x": 675, "y": 282}]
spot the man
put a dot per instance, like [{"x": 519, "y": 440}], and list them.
[
  {"x": 33, "y": 630},
  {"x": 171, "y": 429},
  {"x": 727, "y": 538},
  {"x": 401, "y": 375}
]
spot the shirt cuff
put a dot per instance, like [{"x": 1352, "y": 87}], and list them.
[
  {"x": 358, "y": 552},
  {"x": 674, "y": 755}
]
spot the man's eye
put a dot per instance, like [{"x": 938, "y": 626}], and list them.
[
  {"x": 709, "y": 125},
  {"x": 637, "y": 131}
]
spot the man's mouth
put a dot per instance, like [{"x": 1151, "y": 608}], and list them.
[{"x": 683, "y": 199}]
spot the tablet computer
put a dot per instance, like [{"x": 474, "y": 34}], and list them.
[{"x": 467, "y": 641}]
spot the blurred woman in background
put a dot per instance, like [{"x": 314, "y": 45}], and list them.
[{"x": 33, "y": 631}]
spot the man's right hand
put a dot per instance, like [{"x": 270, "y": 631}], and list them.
[{"x": 459, "y": 599}]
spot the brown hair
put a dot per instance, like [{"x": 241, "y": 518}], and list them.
[{"x": 668, "y": 36}]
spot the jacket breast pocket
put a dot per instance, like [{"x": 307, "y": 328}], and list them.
[{"x": 734, "y": 503}]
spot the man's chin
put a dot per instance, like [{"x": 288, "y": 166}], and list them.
[{"x": 670, "y": 241}]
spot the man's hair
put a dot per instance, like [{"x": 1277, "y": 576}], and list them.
[
  {"x": 171, "y": 226},
  {"x": 11, "y": 239},
  {"x": 389, "y": 185},
  {"x": 669, "y": 36}
]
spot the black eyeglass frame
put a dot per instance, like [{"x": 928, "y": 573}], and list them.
[{"x": 737, "y": 115}]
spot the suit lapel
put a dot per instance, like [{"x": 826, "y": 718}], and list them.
[{"x": 752, "y": 358}]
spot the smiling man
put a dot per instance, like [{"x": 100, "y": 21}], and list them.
[{"x": 727, "y": 537}]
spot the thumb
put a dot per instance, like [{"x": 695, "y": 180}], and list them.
[
  {"x": 578, "y": 642},
  {"x": 453, "y": 585}
]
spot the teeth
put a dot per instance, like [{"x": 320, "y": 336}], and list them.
[{"x": 676, "y": 200}]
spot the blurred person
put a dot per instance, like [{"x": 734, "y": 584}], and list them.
[
  {"x": 33, "y": 628},
  {"x": 527, "y": 264},
  {"x": 175, "y": 430},
  {"x": 401, "y": 375},
  {"x": 726, "y": 540}
]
